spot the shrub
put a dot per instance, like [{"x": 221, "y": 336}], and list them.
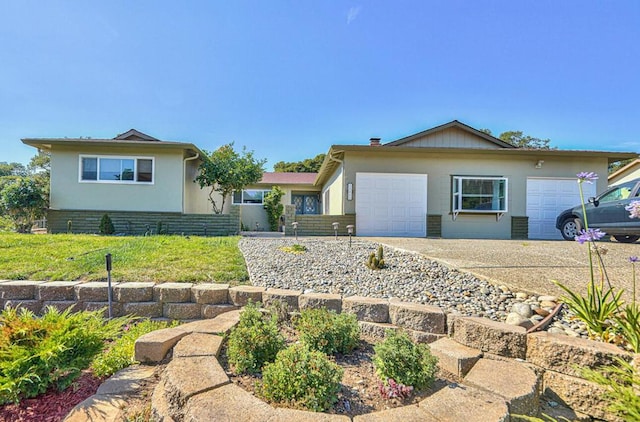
[
  {"x": 38, "y": 352},
  {"x": 302, "y": 378},
  {"x": 622, "y": 382},
  {"x": 399, "y": 358},
  {"x": 106, "y": 225},
  {"x": 121, "y": 352},
  {"x": 274, "y": 207},
  {"x": 327, "y": 331},
  {"x": 254, "y": 342}
]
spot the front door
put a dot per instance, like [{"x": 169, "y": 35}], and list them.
[{"x": 305, "y": 204}]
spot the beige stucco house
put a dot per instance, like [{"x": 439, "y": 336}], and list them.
[
  {"x": 454, "y": 181},
  {"x": 625, "y": 174}
]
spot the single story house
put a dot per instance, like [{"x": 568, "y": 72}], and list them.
[
  {"x": 454, "y": 181},
  {"x": 448, "y": 181},
  {"x": 625, "y": 174}
]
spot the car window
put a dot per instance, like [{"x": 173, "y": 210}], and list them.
[{"x": 619, "y": 193}]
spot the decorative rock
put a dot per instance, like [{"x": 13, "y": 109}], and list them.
[
  {"x": 547, "y": 299},
  {"x": 523, "y": 309},
  {"x": 516, "y": 319},
  {"x": 521, "y": 295},
  {"x": 547, "y": 304}
]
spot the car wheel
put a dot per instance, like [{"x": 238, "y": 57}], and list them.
[
  {"x": 626, "y": 239},
  {"x": 569, "y": 229}
]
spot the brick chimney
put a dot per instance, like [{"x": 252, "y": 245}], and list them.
[{"x": 374, "y": 142}]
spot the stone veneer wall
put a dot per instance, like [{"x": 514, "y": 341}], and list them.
[
  {"x": 137, "y": 223},
  {"x": 316, "y": 225},
  {"x": 556, "y": 358}
]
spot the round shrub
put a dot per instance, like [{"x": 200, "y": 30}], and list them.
[
  {"x": 327, "y": 331},
  {"x": 399, "y": 358},
  {"x": 302, "y": 378},
  {"x": 255, "y": 341}
]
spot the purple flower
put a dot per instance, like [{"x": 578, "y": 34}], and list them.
[
  {"x": 634, "y": 209},
  {"x": 633, "y": 259},
  {"x": 587, "y": 176},
  {"x": 590, "y": 235}
]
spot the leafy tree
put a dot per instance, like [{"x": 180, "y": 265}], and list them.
[
  {"x": 225, "y": 170},
  {"x": 23, "y": 201},
  {"x": 617, "y": 165},
  {"x": 274, "y": 207},
  {"x": 520, "y": 140},
  {"x": 12, "y": 169},
  {"x": 40, "y": 169},
  {"x": 309, "y": 165}
]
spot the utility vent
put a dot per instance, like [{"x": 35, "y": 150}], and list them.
[{"x": 374, "y": 142}]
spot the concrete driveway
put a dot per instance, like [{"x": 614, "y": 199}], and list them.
[{"x": 528, "y": 265}]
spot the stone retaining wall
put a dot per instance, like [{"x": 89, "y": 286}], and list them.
[{"x": 557, "y": 358}]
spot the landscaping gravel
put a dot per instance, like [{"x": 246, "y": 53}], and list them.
[{"x": 332, "y": 266}]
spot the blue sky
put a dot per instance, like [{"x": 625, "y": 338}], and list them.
[{"x": 288, "y": 79}]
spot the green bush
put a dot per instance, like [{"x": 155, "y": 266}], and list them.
[
  {"x": 622, "y": 382},
  {"x": 255, "y": 341},
  {"x": 327, "y": 331},
  {"x": 302, "y": 378},
  {"x": 106, "y": 225},
  {"x": 399, "y": 358},
  {"x": 121, "y": 352},
  {"x": 36, "y": 353}
]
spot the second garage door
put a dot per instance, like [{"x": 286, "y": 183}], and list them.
[
  {"x": 389, "y": 204},
  {"x": 546, "y": 198}
]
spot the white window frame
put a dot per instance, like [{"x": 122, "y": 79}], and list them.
[
  {"x": 118, "y": 157},
  {"x": 233, "y": 197},
  {"x": 457, "y": 193}
]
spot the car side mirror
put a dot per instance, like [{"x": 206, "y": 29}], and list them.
[{"x": 593, "y": 200}]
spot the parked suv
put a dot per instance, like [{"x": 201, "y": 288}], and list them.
[{"x": 605, "y": 212}]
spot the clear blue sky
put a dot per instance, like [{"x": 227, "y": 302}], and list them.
[{"x": 289, "y": 78}]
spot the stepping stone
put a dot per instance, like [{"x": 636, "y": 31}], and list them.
[
  {"x": 126, "y": 381},
  {"x": 98, "y": 408},
  {"x": 154, "y": 346},
  {"x": 454, "y": 357},
  {"x": 463, "y": 403},
  {"x": 198, "y": 344},
  {"x": 228, "y": 403},
  {"x": 412, "y": 413}
]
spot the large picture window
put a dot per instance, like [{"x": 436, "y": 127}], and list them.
[
  {"x": 112, "y": 169},
  {"x": 479, "y": 194},
  {"x": 249, "y": 196}
]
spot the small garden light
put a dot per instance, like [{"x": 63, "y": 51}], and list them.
[
  {"x": 295, "y": 229},
  {"x": 350, "y": 228},
  {"x": 335, "y": 228}
]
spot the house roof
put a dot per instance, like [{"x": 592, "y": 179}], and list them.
[
  {"x": 451, "y": 124},
  {"x": 284, "y": 178},
  {"x": 129, "y": 139}
]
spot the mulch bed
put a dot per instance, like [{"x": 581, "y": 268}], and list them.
[{"x": 54, "y": 405}]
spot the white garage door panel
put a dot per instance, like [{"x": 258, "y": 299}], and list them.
[
  {"x": 391, "y": 204},
  {"x": 546, "y": 198}
]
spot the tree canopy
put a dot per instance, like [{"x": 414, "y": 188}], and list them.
[
  {"x": 309, "y": 165},
  {"x": 23, "y": 200},
  {"x": 225, "y": 170},
  {"x": 520, "y": 140},
  {"x": 12, "y": 169}
]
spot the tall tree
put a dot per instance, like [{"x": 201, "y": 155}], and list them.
[
  {"x": 12, "y": 169},
  {"x": 309, "y": 165},
  {"x": 520, "y": 140},
  {"x": 225, "y": 170},
  {"x": 23, "y": 201},
  {"x": 40, "y": 169}
]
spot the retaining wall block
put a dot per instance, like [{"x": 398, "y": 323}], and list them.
[
  {"x": 454, "y": 357},
  {"x": 133, "y": 292},
  {"x": 143, "y": 309},
  {"x": 210, "y": 293},
  {"x": 423, "y": 337},
  {"x": 320, "y": 300},
  {"x": 577, "y": 393},
  {"x": 153, "y": 346},
  {"x": 182, "y": 311},
  {"x": 367, "y": 309},
  {"x": 62, "y": 305},
  {"x": 22, "y": 290},
  {"x": 56, "y": 290},
  {"x": 116, "y": 308},
  {"x": 376, "y": 330},
  {"x": 240, "y": 295},
  {"x": 33, "y": 305},
  {"x": 172, "y": 292},
  {"x": 212, "y": 311},
  {"x": 491, "y": 336},
  {"x": 415, "y": 316},
  {"x": 93, "y": 291},
  {"x": 568, "y": 355},
  {"x": 290, "y": 297}
]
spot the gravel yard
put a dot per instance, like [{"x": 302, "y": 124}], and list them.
[{"x": 330, "y": 266}]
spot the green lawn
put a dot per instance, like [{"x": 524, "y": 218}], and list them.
[{"x": 154, "y": 258}]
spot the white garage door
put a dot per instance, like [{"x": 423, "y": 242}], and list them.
[
  {"x": 546, "y": 198},
  {"x": 391, "y": 204}
]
